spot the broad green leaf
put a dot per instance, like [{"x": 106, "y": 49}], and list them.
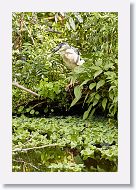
[
  {"x": 79, "y": 18},
  {"x": 20, "y": 108},
  {"x": 32, "y": 112},
  {"x": 104, "y": 102},
  {"x": 95, "y": 102},
  {"x": 97, "y": 73},
  {"x": 56, "y": 89},
  {"x": 85, "y": 98},
  {"x": 109, "y": 65},
  {"x": 84, "y": 82},
  {"x": 72, "y": 23},
  {"x": 46, "y": 110},
  {"x": 86, "y": 113},
  {"x": 37, "y": 112},
  {"x": 111, "y": 95},
  {"x": 99, "y": 84},
  {"x": 98, "y": 62},
  {"x": 96, "y": 68},
  {"x": 92, "y": 85},
  {"x": 67, "y": 25},
  {"x": 28, "y": 109},
  {"x": 93, "y": 94},
  {"x": 97, "y": 96},
  {"x": 92, "y": 112},
  {"x": 77, "y": 92},
  {"x": 112, "y": 87},
  {"x": 115, "y": 99},
  {"x": 74, "y": 102}
]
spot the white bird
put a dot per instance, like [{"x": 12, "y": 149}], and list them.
[{"x": 69, "y": 54}]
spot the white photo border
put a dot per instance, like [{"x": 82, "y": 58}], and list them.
[{"x": 6, "y": 174}]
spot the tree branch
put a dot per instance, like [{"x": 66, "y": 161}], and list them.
[
  {"x": 53, "y": 31},
  {"x": 33, "y": 148},
  {"x": 25, "y": 89},
  {"x": 21, "y": 161}
]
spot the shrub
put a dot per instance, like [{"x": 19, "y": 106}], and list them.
[{"x": 35, "y": 67}]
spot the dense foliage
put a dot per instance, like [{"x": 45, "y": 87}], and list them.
[
  {"x": 64, "y": 144},
  {"x": 34, "y": 65},
  {"x": 55, "y": 130}
]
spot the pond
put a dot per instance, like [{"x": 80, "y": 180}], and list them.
[{"x": 64, "y": 144}]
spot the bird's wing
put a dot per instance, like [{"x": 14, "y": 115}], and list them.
[
  {"x": 80, "y": 62},
  {"x": 75, "y": 50}
]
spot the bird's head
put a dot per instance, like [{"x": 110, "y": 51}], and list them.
[{"x": 61, "y": 47}]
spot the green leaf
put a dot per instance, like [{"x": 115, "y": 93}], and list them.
[
  {"x": 104, "y": 102},
  {"x": 72, "y": 23},
  {"x": 36, "y": 112},
  {"x": 115, "y": 99},
  {"x": 111, "y": 95},
  {"x": 77, "y": 92},
  {"x": 86, "y": 113},
  {"x": 98, "y": 62},
  {"x": 109, "y": 65},
  {"x": 112, "y": 87},
  {"x": 85, "y": 98},
  {"x": 79, "y": 18},
  {"x": 20, "y": 109},
  {"x": 84, "y": 82},
  {"x": 56, "y": 89},
  {"x": 67, "y": 25},
  {"x": 97, "y": 96},
  {"x": 28, "y": 109},
  {"x": 74, "y": 102},
  {"x": 95, "y": 102},
  {"x": 96, "y": 68},
  {"x": 97, "y": 73},
  {"x": 32, "y": 112},
  {"x": 99, "y": 84},
  {"x": 46, "y": 110},
  {"x": 92, "y": 85},
  {"x": 92, "y": 112}
]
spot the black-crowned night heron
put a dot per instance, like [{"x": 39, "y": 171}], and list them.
[{"x": 69, "y": 54}]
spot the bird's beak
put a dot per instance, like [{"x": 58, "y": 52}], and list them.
[{"x": 55, "y": 49}]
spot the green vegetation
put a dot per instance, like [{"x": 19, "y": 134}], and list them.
[
  {"x": 64, "y": 120},
  {"x": 64, "y": 144}
]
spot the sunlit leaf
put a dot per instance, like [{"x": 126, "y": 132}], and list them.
[
  {"x": 72, "y": 23},
  {"x": 97, "y": 96},
  {"x": 92, "y": 85},
  {"x": 104, "y": 102},
  {"x": 85, "y": 82},
  {"x": 86, "y": 113},
  {"x": 67, "y": 25},
  {"x": 99, "y": 84},
  {"x": 77, "y": 92},
  {"x": 80, "y": 19},
  {"x": 97, "y": 73},
  {"x": 95, "y": 102},
  {"x": 92, "y": 112}
]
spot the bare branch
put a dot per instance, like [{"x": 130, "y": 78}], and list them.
[
  {"x": 21, "y": 161},
  {"x": 53, "y": 31},
  {"x": 25, "y": 89},
  {"x": 34, "y": 148}
]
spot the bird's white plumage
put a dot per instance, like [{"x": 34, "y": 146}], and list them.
[
  {"x": 71, "y": 58},
  {"x": 70, "y": 55}
]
